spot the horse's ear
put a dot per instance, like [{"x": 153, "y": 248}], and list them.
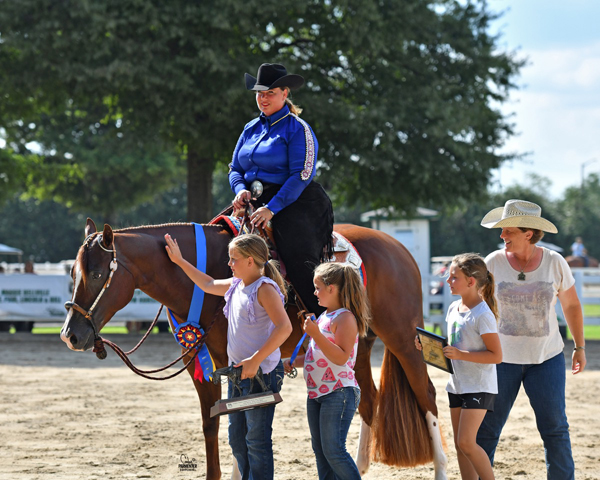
[
  {"x": 107, "y": 236},
  {"x": 90, "y": 227}
]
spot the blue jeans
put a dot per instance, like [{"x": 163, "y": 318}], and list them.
[
  {"x": 545, "y": 386},
  {"x": 250, "y": 431},
  {"x": 329, "y": 418}
]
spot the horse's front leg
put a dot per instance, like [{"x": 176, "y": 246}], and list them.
[{"x": 208, "y": 394}]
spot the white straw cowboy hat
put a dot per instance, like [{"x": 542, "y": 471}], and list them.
[{"x": 518, "y": 213}]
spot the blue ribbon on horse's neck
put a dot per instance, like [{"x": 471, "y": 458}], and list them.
[{"x": 204, "y": 362}]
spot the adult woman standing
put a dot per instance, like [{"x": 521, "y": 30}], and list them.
[
  {"x": 529, "y": 279},
  {"x": 279, "y": 150}
]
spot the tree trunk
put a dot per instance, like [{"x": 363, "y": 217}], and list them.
[{"x": 199, "y": 187}]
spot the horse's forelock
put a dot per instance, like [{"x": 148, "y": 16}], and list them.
[{"x": 81, "y": 262}]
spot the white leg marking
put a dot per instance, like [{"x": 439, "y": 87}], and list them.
[
  {"x": 235, "y": 473},
  {"x": 363, "y": 454},
  {"x": 440, "y": 462}
]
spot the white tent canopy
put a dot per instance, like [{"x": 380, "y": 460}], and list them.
[{"x": 6, "y": 250}]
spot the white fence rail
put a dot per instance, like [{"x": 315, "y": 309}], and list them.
[
  {"x": 587, "y": 284},
  {"x": 40, "y": 298}
]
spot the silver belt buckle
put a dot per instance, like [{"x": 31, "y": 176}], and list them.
[{"x": 256, "y": 188}]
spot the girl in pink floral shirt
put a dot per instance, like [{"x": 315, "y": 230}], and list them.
[{"x": 333, "y": 393}]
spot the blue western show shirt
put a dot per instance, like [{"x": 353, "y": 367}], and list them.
[{"x": 280, "y": 149}]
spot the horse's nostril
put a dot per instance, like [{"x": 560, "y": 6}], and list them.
[{"x": 73, "y": 340}]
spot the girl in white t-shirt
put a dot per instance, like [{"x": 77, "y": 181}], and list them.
[
  {"x": 333, "y": 392},
  {"x": 474, "y": 347}
]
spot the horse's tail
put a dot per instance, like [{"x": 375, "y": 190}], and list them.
[{"x": 400, "y": 434}]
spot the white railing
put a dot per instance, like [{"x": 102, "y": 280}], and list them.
[{"x": 587, "y": 284}]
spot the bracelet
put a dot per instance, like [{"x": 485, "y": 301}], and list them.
[{"x": 578, "y": 348}]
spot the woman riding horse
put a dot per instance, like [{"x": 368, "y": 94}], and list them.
[{"x": 279, "y": 150}]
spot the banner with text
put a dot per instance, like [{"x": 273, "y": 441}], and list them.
[{"x": 42, "y": 298}]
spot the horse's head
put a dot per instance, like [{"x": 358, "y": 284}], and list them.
[{"x": 100, "y": 288}]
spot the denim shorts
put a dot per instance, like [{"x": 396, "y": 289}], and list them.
[{"x": 474, "y": 401}]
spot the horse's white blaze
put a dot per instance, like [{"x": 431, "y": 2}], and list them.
[
  {"x": 63, "y": 330},
  {"x": 235, "y": 473},
  {"x": 440, "y": 462},
  {"x": 363, "y": 453}
]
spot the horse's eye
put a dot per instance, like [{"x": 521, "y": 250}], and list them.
[{"x": 96, "y": 275}]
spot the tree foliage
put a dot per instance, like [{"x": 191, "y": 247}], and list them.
[
  {"x": 580, "y": 215},
  {"x": 403, "y": 96}
]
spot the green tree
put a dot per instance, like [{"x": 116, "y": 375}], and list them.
[
  {"x": 400, "y": 94},
  {"x": 580, "y": 216}
]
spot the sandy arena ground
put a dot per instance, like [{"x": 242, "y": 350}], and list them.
[{"x": 69, "y": 416}]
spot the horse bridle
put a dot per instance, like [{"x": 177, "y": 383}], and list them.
[{"x": 113, "y": 268}]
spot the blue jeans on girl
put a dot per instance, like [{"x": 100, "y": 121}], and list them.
[
  {"x": 329, "y": 418},
  {"x": 250, "y": 431},
  {"x": 545, "y": 386}
]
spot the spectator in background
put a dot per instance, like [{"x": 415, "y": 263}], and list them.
[
  {"x": 579, "y": 250},
  {"x": 29, "y": 267}
]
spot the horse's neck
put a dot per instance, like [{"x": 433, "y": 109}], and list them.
[{"x": 142, "y": 252}]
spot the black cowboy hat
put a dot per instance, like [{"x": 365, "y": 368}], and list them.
[{"x": 272, "y": 75}]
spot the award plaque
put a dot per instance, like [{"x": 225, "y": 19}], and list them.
[
  {"x": 239, "y": 404},
  {"x": 246, "y": 402},
  {"x": 432, "y": 350}
]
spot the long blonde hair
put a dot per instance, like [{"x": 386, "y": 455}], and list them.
[
  {"x": 250, "y": 245},
  {"x": 473, "y": 265},
  {"x": 353, "y": 295}
]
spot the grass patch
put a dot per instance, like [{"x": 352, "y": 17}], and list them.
[
  {"x": 591, "y": 310},
  {"x": 56, "y": 330}
]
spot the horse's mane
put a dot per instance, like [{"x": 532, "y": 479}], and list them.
[
  {"x": 147, "y": 227},
  {"x": 162, "y": 225}
]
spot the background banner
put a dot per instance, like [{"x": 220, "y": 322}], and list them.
[{"x": 42, "y": 297}]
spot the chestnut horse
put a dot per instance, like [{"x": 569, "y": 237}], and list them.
[
  {"x": 579, "y": 262},
  {"x": 400, "y": 425}
]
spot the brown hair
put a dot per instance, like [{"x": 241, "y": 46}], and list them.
[
  {"x": 473, "y": 265},
  {"x": 353, "y": 295},
  {"x": 250, "y": 245},
  {"x": 537, "y": 234}
]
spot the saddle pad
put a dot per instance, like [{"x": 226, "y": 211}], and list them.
[
  {"x": 345, "y": 252},
  {"x": 231, "y": 223}
]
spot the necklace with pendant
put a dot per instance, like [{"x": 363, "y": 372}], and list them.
[{"x": 521, "y": 276}]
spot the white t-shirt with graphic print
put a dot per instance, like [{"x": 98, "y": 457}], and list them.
[{"x": 528, "y": 325}]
